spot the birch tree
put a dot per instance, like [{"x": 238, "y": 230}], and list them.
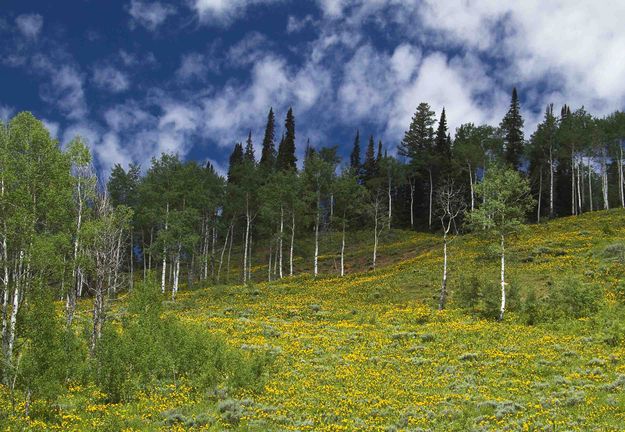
[
  {"x": 508, "y": 199},
  {"x": 349, "y": 201},
  {"x": 451, "y": 206}
]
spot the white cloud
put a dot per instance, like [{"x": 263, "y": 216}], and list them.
[
  {"x": 192, "y": 65},
  {"x": 149, "y": 14},
  {"x": 29, "y": 25},
  {"x": 53, "y": 127},
  {"x": 295, "y": 25},
  {"x": 223, "y": 12},
  {"x": 110, "y": 79},
  {"x": 65, "y": 89},
  {"x": 6, "y": 112}
]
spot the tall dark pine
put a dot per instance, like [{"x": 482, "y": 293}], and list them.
[
  {"x": 512, "y": 127},
  {"x": 379, "y": 157},
  {"x": 418, "y": 139},
  {"x": 442, "y": 141},
  {"x": 354, "y": 158},
  {"x": 369, "y": 166},
  {"x": 286, "y": 151},
  {"x": 249, "y": 149},
  {"x": 236, "y": 159},
  {"x": 268, "y": 154}
]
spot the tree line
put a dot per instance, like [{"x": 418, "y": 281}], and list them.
[{"x": 65, "y": 230}]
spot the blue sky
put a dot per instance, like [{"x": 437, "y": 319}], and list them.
[{"x": 138, "y": 78}]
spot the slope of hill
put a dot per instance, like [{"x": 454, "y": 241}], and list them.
[{"x": 370, "y": 352}]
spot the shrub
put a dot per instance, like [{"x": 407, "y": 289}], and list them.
[
  {"x": 146, "y": 349},
  {"x": 572, "y": 298}
]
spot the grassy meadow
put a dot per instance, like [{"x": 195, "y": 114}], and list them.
[{"x": 369, "y": 351}]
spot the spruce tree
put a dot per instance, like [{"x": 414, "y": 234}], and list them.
[
  {"x": 286, "y": 152},
  {"x": 369, "y": 165},
  {"x": 236, "y": 159},
  {"x": 419, "y": 137},
  {"x": 268, "y": 155},
  {"x": 512, "y": 127},
  {"x": 249, "y": 149},
  {"x": 379, "y": 157},
  {"x": 354, "y": 159},
  {"x": 442, "y": 141}
]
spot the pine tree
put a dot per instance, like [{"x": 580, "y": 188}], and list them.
[
  {"x": 419, "y": 137},
  {"x": 236, "y": 159},
  {"x": 442, "y": 141},
  {"x": 512, "y": 127},
  {"x": 379, "y": 157},
  {"x": 354, "y": 159},
  {"x": 370, "y": 164},
  {"x": 249, "y": 149},
  {"x": 286, "y": 152},
  {"x": 268, "y": 155}
]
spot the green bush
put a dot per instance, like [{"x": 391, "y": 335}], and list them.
[
  {"x": 146, "y": 349},
  {"x": 572, "y": 298},
  {"x": 483, "y": 297}
]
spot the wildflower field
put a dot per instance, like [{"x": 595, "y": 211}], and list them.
[{"x": 369, "y": 351}]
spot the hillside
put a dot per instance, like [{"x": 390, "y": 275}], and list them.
[{"x": 370, "y": 352}]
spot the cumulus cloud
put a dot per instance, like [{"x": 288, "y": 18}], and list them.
[
  {"x": 6, "y": 112},
  {"x": 149, "y": 14},
  {"x": 111, "y": 79},
  {"x": 65, "y": 88},
  {"x": 29, "y": 25},
  {"x": 192, "y": 65}
]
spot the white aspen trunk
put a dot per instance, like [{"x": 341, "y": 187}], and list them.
[
  {"x": 174, "y": 289},
  {"x": 269, "y": 266},
  {"x": 316, "y": 269},
  {"x": 118, "y": 252},
  {"x": 164, "y": 274},
  {"x": 132, "y": 266},
  {"x": 223, "y": 250},
  {"x": 573, "y": 206},
  {"x": 15, "y": 308},
  {"x": 590, "y": 203},
  {"x": 6, "y": 286},
  {"x": 412, "y": 189},
  {"x": 280, "y": 240},
  {"x": 502, "y": 310},
  {"x": 390, "y": 202},
  {"x": 292, "y": 243},
  {"x": 551, "y": 188},
  {"x": 620, "y": 176},
  {"x": 579, "y": 194},
  {"x": 431, "y": 194},
  {"x": 471, "y": 186},
  {"x": 343, "y": 249},
  {"x": 204, "y": 274},
  {"x": 149, "y": 251},
  {"x": 540, "y": 194},
  {"x": 604, "y": 180},
  {"x": 443, "y": 295},
  {"x": 213, "y": 246},
  {"x": 229, "y": 255},
  {"x": 247, "y": 237},
  {"x": 249, "y": 259},
  {"x": 375, "y": 236}
]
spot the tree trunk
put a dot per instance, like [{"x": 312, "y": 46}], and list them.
[
  {"x": 390, "y": 203},
  {"x": 165, "y": 253},
  {"x": 573, "y": 206},
  {"x": 590, "y": 186},
  {"x": 16, "y": 306},
  {"x": 343, "y": 249},
  {"x": 443, "y": 295},
  {"x": 132, "y": 265},
  {"x": 578, "y": 188},
  {"x": 174, "y": 289},
  {"x": 412, "y": 189},
  {"x": 551, "y": 187},
  {"x": 280, "y": 240},
  {"x": 540, "y": 194},
  {"x": 604, "y": 180},
  {"x": 471, "y": 186},
  {"x": 620, "y": 175},
  {"x": 502, "y": 310},
  {"x": 269, "y": 266},
  {"x": 229, "y": 255},
  {"x": 431, "y": 194},
  {"x": 249, "y": 260},
  {"x": 223, "y": 250},
  {"x": 292, "y": 243},
  {"x": 213, "y": 246},
  {"x": 375, "y": 235},
  {"x": 316, "y": 270},
  {"x": 247, "y": 237}
]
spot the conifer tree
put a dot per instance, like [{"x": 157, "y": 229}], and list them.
[
  {"x": 443, "y": 140},
  {"x": 512, "y": 128},
  {"x": 236, "y": 159},
  {"x": 369, "y": 164},
  {"x": 249, "y": 149},
  {"x": 268, "y": 155},
  {"x": 354, "y": 159},
  {"x": 286, "y": 151}
]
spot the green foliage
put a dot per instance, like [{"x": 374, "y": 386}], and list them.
[
  {"x": 147, "y": 348},
  {"x": 570, "y": 297}
]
